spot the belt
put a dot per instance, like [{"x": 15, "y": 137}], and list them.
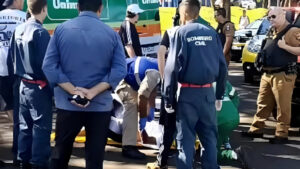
[
  {"x": 41, "y": 83},
  {"x": 195, "y": 85},
  {"x": 273, "y": 70}
]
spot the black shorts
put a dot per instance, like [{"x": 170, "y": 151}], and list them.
[{"x": 6, "y": 91}]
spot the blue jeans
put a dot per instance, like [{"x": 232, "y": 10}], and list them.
[
  {"x": 196, "y": 114},
  {"x": 35, "y": 124}
]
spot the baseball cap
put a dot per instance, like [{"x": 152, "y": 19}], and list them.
[
  {"x": 7, "y": 2},
  {"x": 134, "y": 8}
]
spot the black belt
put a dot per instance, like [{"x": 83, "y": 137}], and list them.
[{"x": 274, "y": 71}]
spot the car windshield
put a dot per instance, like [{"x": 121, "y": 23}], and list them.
[
  {"x": 254, "y": 25},
  {"x": 264, "y": 27}
]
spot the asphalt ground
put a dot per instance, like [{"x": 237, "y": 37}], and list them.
[{"x": 260, "y": 154}]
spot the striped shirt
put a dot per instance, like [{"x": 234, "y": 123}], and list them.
[{"x": 129, "y": 36}]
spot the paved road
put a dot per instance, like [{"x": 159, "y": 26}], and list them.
[{"x": 260, "y": 154}]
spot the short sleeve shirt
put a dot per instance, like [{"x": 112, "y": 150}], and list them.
[
  {"x": 292, "y": 37},
  {"x": 129, "y": 36},
  {"x": 228, "y": 29},
  {"x": 9, "y": 20}
]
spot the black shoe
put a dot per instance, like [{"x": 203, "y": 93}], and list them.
[
  {"x": 132, "y": 152},
  {"x": 24, "y": 165},
  {"x": 252, "y": 134},
  {"x": 16, "y": 163},
  {"x": 2, "y": 164},
  {"x": 279, "y": 140},
  {"x": 243, "y": 156}
]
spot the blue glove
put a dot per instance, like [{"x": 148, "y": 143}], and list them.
[
  {"x": 142, "y": 123},
  {"x": 151, "y": 114}
]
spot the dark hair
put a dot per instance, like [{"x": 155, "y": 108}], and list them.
[
  {"x": 192, "y": 7},
  {"x": 35, "y": 6},
  {"x": 222, "y": 12},
  {"x": 89, "y": 5},
  {"x": 130, "y": 14},
  {"x": 28, "y": 15}
]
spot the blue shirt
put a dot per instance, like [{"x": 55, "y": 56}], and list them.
[
  {"x": 196, "y": 57},
  {"x": 84, "y": 51},
  {"x": 137, "y": 68},
  {"x": 27, "y": 51}
]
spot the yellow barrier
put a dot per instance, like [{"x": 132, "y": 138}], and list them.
[{"x": 207, "y": 13}]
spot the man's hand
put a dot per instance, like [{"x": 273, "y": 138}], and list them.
[
  {"x": 169, "y": 109},
  {"x": 88, "y": 93},
  {"x": 218, "y": 105},
  {"x": 281, "y": 43},
  {"x": 142, "y": 106},
  {"x": 77, "y": 102}
]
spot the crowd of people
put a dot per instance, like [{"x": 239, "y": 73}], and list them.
[{"x": 85, "y": 61}]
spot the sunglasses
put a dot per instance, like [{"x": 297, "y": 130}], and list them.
[{"x": 272, "y": 16}]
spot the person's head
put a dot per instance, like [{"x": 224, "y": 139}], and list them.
[
  {"x": 14, "y": 4},
  {"x": 90, "y": 5},
  {"x": 244, "y": 12},
  {"x": 189, "y": 10},
  {"x": 220, "y": 14},
  {"x": 37, "y": 8},
  {"x": 133, "y": 12},
  {"x": 277, "y": 18}
]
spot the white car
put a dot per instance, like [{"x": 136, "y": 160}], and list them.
[{"x": 248, "y": 4}]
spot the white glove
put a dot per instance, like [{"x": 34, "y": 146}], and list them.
[
  {"x": 218, "y": 105},
  {"x": 169, "y": 109}
]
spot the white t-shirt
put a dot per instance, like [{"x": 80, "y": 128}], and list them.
[
  {"x": 9, "y": 20},
  {"x": 244, "y": 21}
]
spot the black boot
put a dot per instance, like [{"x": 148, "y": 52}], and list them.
[
  {"x": 38, "y": 167},
  {"x": 132, "y": 152},
  {"x": 2, "y": 164},
  {"x": 24, "y": 165}
]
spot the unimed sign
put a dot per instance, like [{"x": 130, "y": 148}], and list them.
[{"x": 60, "y": 10}]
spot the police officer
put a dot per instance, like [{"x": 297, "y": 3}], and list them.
[
  {"x": 225, "y": 30},
  {"x": 195, "y": 61},
  {"x": 29, "y": 44},
  {"x": 277, "y": 82},
  {"x": 137, "y": 93}
]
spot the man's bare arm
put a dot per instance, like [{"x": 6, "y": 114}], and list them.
[
  {"x": 94, "y": 91},
  {"x": 161, "y": 59},
  {"x": 130, "y": 51},
  {"x": 227, "y": 45},
  {"x": 293, "y": 50}
]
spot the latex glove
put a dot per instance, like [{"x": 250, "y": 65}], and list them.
[
  {"x": 151, "y": 114},
  {"x": 169, "y": 109},
  {"x": 218, "y": 105},
  {"x": 142, "y": 123}
]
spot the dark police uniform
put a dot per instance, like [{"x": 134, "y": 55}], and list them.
[
  {"x": 195, "y": 60},
  {"x": 130, "y": 36},
  {"x": 28, "y": 47}
]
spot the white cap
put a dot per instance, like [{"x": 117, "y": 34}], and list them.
[{"x": 134, "y": 8}]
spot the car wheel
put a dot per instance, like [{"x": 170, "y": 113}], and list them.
[{"x": 248, "y": 77}]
